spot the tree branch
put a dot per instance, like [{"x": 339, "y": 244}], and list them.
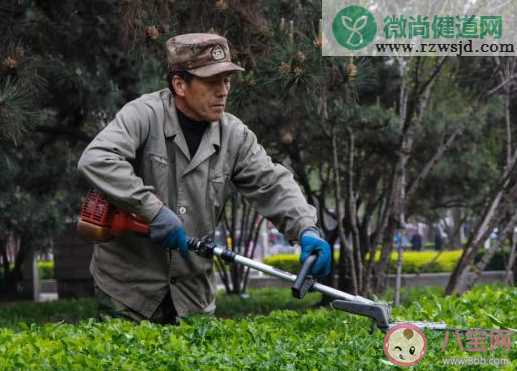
[{"x": 64, "y": 131}]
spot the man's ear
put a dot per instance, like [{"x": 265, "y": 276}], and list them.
[{"x": 179, "y": 86}]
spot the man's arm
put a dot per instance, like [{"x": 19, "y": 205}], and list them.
[
  {"x": 106, "y": 162},
  {"x": 271, "y": 188},
  {"x": 276, "y": 195}
]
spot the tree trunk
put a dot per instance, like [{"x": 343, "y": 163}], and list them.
[
  {"x": 454, "y": 235},
  {"x": 381, "y": 267},
  {"x": 251, "y": 254},
  {"x": 14, "y": 277},
  {"x": 233, "y": 233},
  {"x": 480, "y": 234},
  {"x": 346, "y": 259},
  {"x": 515, "y": 271},
  {"x": 479, "y": 268},
  {"x": 509, "y": 276},
  {"x": 458, "y": 279},
  {"x": 352, "y": 214},
  {"x": 329, "y": 280},
  {"x": 244, "y": 218},
  {"x": 396, "y": 301}
]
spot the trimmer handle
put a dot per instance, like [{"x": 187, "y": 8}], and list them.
[{"x": 304, "y": 282}]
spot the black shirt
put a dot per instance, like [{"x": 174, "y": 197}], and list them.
[{"x": 193, "y": 131}]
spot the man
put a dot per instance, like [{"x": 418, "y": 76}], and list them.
[{"x": 173, "y": 157}]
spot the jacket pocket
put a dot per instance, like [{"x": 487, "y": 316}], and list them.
[
  {"x": 218, "y": 192},
  {"x": 161, "y": 161},
  {"x": 157, "y": 174}
]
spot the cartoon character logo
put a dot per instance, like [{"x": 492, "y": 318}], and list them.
[{"x": 405, "y": 345}]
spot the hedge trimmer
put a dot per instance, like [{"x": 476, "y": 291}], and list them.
[
  {"x": 101, "y": 221},
  {"x": 380, "y": 313}
]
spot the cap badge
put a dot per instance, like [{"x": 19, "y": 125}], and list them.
[{"x": 217, "y": 53}]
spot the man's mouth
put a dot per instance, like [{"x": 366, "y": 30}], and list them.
[{"x": 218, "y": 107}]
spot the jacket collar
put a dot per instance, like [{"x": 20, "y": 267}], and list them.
[{"x": 210, "y": 142}]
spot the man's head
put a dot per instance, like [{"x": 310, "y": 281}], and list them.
[{"x": 199, "y": 74}]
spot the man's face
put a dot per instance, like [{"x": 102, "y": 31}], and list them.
[{"x": 203, "y": 99}]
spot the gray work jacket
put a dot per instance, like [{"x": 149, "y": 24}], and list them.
[{"x": 141, "y": 162}]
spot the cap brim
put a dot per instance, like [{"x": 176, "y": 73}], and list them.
[{"x": 215, "y": 69}]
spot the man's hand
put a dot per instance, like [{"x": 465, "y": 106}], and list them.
[
  {"x": 310, "y": 242},
  {"x": 167, "y": 230}
]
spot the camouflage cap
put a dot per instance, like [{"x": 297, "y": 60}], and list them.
[{"x": 201, "y": 54}]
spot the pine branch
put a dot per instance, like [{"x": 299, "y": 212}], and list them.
[{"x": 64, "y": 131}]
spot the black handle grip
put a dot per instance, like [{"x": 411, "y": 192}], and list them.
[{"x": 303, "y": 282}]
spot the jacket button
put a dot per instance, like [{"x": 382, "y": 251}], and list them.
[
  {"x": 182, "y": 210},
  {"x": 173, "y": 281}
]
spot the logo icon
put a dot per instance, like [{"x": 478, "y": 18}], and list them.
[
  {"x": 405, "y": 345},
  {"x": 218, "y": 53},
  {"x": 354, "y": 27}
]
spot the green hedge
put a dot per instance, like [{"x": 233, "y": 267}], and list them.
[
  {"x": 320, "y": 339},
  {"x": 46, "y": 270},
  {"x": 413, "y": 261},
  {"x": 258, "y": 301}
]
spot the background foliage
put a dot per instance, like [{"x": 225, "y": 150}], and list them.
[{"x": 339, "y": 124}]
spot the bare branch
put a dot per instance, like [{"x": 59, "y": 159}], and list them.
[
  {"x": 433, "y": 161},
  {"x": 501, "y": 85}
]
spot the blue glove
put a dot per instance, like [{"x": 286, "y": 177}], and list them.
[
  {"x": 311, "y": 241},
  {"x": 167, "y": 230}
]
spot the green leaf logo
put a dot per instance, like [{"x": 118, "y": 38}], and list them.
[{"x": 354, "y": 27}]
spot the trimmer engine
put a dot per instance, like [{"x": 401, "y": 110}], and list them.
[{"x": 101, "y": 221}]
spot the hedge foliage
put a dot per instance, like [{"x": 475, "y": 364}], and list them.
[
  {"x": 320, "y": 339},
  {"x": 412, "y": 262},
  {"x": 258, "y": 301},
  {"x": 46, "y": 269}
]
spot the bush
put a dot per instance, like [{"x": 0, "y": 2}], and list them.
[
  {"x": 285, "y": 262},
  {"x": 420, "y": 261},
  {"x": 46, "y": 270},
  {"x": 413, "y": 261},
  {"x": 498, "y": 261},
  {"x": 262, "y": 301},
  {"x": 69, "y": 310},
  {"x": 258, "y": 301},
  {"x": 320, "y": 339}
]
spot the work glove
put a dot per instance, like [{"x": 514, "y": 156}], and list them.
[
  {"x": 311, "y": 242},
  {"x": 167, "y": 230}
]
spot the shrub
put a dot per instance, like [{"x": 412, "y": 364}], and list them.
[
  {"x": 498, "y": 261},
  {"x": 69, "y": 310},
  {"x": 413, "y": 261},
  {"x": 422, "y": 261},
  {"x": 285, "y": 262},
  {"x": 46, "y": 269},
  {"x": 320, "y": 339},
  {"x": 258, "y": 301},
  {"x": 262, "y": 301}
]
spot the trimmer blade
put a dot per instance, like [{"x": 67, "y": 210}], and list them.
[{"x": 439, "y": 326}]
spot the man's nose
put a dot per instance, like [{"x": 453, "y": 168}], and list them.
[{"x": 223, "y": 89}]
